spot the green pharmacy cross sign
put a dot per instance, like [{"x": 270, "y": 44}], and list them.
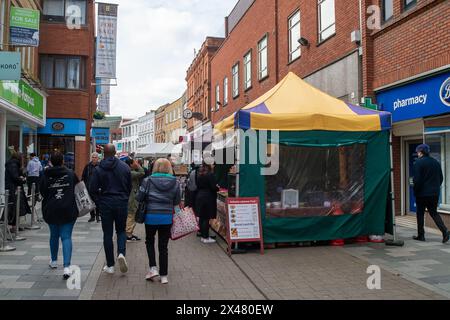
[
  {"x": 24, "y": 27},
  {"x": 368, "y": 104}
]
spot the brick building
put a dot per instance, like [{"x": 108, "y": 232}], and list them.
[
  {"x": 173, "y": 122},
  {"x": 407, "y": 69},
  {"x": 67, "y": 72},
  {"x": 262, "y": 46},
  {"x": 160, "y": 132}
]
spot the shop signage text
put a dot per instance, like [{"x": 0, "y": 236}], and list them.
[
  {"x": 58, "y": 126},
  {"x": 425, "y": 97},
  {"x": 10, "y": 66},
  {"x": 23, "y": 96},
  {"x": 24, "y": 27}
]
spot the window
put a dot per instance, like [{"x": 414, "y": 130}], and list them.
[
  {"x": 167, "y": 118},
  {"x": 61, "y": 10},
  {"x": 262, "y": 58},
  {"x": 63, "y": 72},
  {"x": 294, "y": 35},
  {"x": 235, "y": 73},
  {"x": 248, "y": 70},
  {"x": 388, "y": 9},
  {"x": 225, "y": 91},
  {"x": 408, "y": 3},
  {"x": 217, "y": 97},
  {"x": 327, "y": 19}
]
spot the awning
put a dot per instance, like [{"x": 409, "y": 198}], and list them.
[{"x": 151, "y": 150}]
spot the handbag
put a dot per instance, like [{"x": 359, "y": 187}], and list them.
[
  {"x": 83, "y": 200},
  {"x": 142, "y": 206},
  {"x": 184, "y": 223}
]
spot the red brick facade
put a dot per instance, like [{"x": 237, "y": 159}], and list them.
[{"x": 57, "y": 39}]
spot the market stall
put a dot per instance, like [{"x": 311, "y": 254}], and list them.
[{"x": 332, "y": 160}]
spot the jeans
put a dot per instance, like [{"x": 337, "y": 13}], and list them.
[
  {"x": 114, "y": 214},
  {"x": 63, "y": 231},
  {"x": 204, "y": 227},
  {"x": 163, "y": 241},
  {"x": 431, "y": 204}
]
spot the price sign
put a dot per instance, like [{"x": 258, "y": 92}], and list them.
[{"x": 244, "y": 221}]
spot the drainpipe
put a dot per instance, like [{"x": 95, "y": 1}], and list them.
[
  {"x": 276, "y": 42},
  {"x": 360, "y": 53}
]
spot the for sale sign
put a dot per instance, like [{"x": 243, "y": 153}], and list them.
[{"x": 24, "y": 27}]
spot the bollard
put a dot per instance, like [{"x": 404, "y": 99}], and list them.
[
  {"x": 33, "y": 209},
  {"x": 16, "y": 235},
  {"x": 5, "y": 247}
]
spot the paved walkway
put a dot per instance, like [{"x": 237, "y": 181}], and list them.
[{"x": 199, "y": 271}]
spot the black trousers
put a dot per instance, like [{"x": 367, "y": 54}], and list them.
[
  {"x": 204, "y": 227},
  {"x": 431, "y": 204},
  {"x": 163, "y": 242},
  {"x": 30, "y": 181},
  {"x": 95, "y": 214}
]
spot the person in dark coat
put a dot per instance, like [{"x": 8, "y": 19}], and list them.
[
  {"x": 206, "y": 200},
  {"x": 86, "y": 177},
  {"x": 59, "y": 209},
  {"x": 427, "y": 187},
  {"x": 13, "y": 179}
]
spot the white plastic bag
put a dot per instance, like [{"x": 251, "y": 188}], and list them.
[{"x": 83, "y": 200}]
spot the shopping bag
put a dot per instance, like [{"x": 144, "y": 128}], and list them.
[
  {"x": 83, "y": 200},
  {"x": 184, "y": 223}
]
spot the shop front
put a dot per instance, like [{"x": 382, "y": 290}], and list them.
[
  {"x": 420, "y": 113},
  {"x": 61, "y": 135},
  {"x": 22, "y": 112}
]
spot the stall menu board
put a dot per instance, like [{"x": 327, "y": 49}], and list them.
[{"x": 244, "y": 221}]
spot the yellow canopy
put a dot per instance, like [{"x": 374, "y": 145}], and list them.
[{"x": 295, "y": 105}]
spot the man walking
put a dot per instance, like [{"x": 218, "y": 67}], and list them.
[
  {"x": 34, "y": 170},
  {"x": 137, "y": 173},
  {"x": 87, "y": 174},
  {"x": 427, "y": 185},
  {"x": 110, "y": 187}
]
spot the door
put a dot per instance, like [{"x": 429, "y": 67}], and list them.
[{"x": 412, "y": 156}]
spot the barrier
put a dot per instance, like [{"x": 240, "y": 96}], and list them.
[
  {"x": 5, "y": 247},
  {"x": 16, "y": 236},
  {"x": 33, "y": 209}
]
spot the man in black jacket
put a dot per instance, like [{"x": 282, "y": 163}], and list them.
[
  {"x": 427, "y": 186},
  {"x": 87, "y": 174},
  {"x": 110, "y": 187}
]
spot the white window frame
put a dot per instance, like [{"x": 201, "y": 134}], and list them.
[
  {"x": 263, "y": 72},
  {"x": 248, "y": 70},
  {"x": 225, "y": 91},
  {"x": 294, "y": 53},
  {"x": 217, "y": 97},
  {"x": 235, "y": 80},
  {"x": 323, "y": 29}
]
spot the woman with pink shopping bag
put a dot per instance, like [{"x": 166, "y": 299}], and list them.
[{"x": 161, "y": 193}]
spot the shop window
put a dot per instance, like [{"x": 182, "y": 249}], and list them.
[
  {"x": 317, "y": 181},
  {"x": 65, "y": 145},
  {"x": 327, "y": 19},
  {"x": 63, "y": 72},
  {"x": 62, "y": 10},
  {"x": 294, "y": 35}
]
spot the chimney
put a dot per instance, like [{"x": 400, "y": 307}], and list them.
[{"x": 226, "y": 26}]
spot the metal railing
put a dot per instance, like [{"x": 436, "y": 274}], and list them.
[
  {"x": 33, "y": 210},
  {"x": 5, "y": 247}
]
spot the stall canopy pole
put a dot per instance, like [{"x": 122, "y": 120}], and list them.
[{"x": 395, "y": 241}]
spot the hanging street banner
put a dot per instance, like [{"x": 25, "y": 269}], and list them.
[
  {"x": 24, "y": 27},
  {"x": 106, "y": 41},
  {"x": 103, "y": 104},
  {"x": 10, "y": 65}
]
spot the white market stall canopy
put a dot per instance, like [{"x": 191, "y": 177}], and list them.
[{"x": 159, "y": 150}]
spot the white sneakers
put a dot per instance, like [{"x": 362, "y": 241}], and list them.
[
  {"x": 208, "y": 240},
  {"x": 53, "y": 264},
  {"x": 109, "y": 270},
  {"x": 164, "y": 280},
  {"x": 153, "y": 273},
  {"x": 67, "y": 273},
  {"x": 123, "y": 266}
]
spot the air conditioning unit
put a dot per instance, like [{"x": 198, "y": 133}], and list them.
[{"x": 356, "y": 36}]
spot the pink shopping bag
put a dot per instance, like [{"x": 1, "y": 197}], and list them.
[{"x": 184, "y": 223}]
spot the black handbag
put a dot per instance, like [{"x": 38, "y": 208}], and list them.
[{"x": 142, "y": 207}]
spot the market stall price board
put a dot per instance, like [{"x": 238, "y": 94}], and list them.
[{"x": 244, "y": 221}]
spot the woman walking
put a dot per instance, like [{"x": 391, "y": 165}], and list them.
[
  {"x": 59, "y": 209},
  {"x": 206, "y": 200},
  {"x": 161, "y": 192}
]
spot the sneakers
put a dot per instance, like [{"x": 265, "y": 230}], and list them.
[
  {"x": 208, "y": 240},
  {"x": 109, "y": 270},
  {"x": 133, "y": 238},
  {"x": 164, "y": 280},
  {"x": 446, "y": 237},
  {"x": 153, "y": 273},
  {"x": 419, "y": 238},
  {"x": 67, "y": 273},
  {"x": 123, "y": 266},
  {"x": 53, "y": 264}
]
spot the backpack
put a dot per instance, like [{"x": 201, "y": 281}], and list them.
[{"x": 192, "y": 181}]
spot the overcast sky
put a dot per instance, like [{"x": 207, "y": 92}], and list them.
[{"x": 156, "y": 41}]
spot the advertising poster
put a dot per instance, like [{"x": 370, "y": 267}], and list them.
[
  {"x": 106, "y": 41},
  {"x": 24, "y": 27}
]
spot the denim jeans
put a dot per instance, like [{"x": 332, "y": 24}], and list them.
[
  {"x": 114, "y": 213},
  {"x": 63, "y": 231}
]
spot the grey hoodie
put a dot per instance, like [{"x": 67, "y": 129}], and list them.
[{"x": 163, "y": 193}]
